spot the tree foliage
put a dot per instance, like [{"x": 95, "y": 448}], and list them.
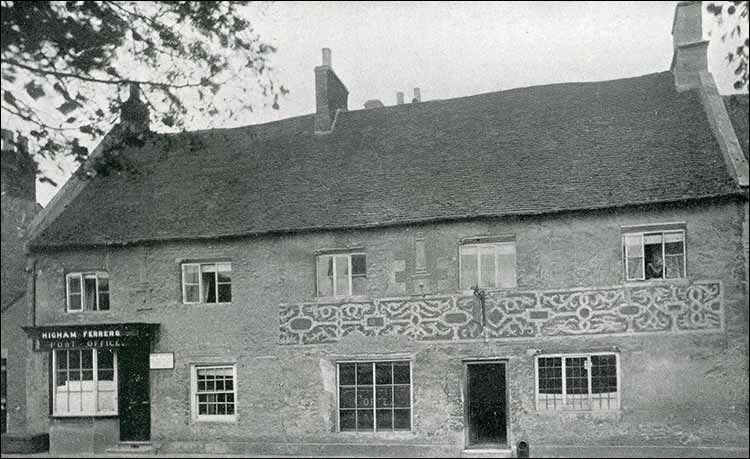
[
  {"x": 732, "y": 15},
  {"x": 67, "y": 66}
]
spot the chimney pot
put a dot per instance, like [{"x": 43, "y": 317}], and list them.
[
  {"x": 399, "y": 98},
  {"x": 417, "y": 95},
  {"x": 327, "y": 57}
]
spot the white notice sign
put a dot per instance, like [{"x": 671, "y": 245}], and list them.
[{"x": 161, "y": 361}]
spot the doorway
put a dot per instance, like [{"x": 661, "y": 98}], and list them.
[
  {"x": 486, "y": 404},
  {"x": 134, "y": 399}
]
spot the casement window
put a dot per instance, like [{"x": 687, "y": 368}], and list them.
[
  {"x": 374, "y": 396},
  {"x": 342, "y": 274},
  {"x": 88, "y": 291},
  {"x": 577, "y": 382},
  {"x": 654, "y": 254},
  {"x": 487, "y": 264},
  {"x": 84, "y": 382},
  {"x": 214, "y": 393},
  {"x": 207, "y": 282}
]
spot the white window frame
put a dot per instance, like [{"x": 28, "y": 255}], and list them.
[
  {"x": 183, "y": 267},
  {"x": 95, "y": 369},
  {"x": 81, "y": 276},
  {"x": 334, "y": 256},
  {"x": 642, "y": 234},
  {"x": 478, "y": 246},
  {"x": 373, "y": 362},
  {"x": 540, "y": 404},
  {"x": 194, "y": 393}
]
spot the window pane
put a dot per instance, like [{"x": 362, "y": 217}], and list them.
[
  {"x": 550, "y": 375},
  {"x": 401, "y": 396},
  {"x": 74, "y": 359},
  {"x": 75, "y": 302},
  {"x": 192, "y": 294},
  {"x": 384, "y": 397},
  {"x": 383, "y": 373},
  {"x": 385, "y": 419},
  {"x": 359, "y": 264},
  {"x": 224, "y": 277},
  {"x": 603, "y": 374},
  {"x": 506, "y": 265},
  {"x": 654, "y": 261},
  {"x": 346, "y": 397},
  {"x": 675, "y": 266},
  {"x": 469, "y": 271},
  {"x": 488, "y": 269},
  {"x": 208, "y": 268},
  {"x": 89, "y": 293},
  {"x": 106, "y": 375},
  {"x": 87, "y": 359},
  {"x": 225, "y": 293},
  {"x": 364, "y": 373},
  {"x": 342, "y": 275},
  {"x": 359, "y": 285},
  {"x": 61, "y": 358},
  {"x": 634, "y": 245},
  {"x": 103, "y": 283},
  {"x": 364, "y": 397},
  {"x": 576, "y": 375},
  {"x": 104, "y": 301},
  {"x": 348, "y": 420},
  {"x": 105, "y": 358},
  {"x": 401, "y": 373},
  {"x": 74, "y": 283},
  {"x": 635, "y": 268},
  {"x": 209, "y": 286},
  {"x": 651, "y": 239},
  {"x": 364, "y": 420},
  {"x": 402, "y": 419},
  {"x": 191, "y": 273},
  {"x": 325, "y": 276},
  {"x": 346, "y": 374}
]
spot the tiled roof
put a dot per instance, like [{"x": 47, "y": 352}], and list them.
[
  {"x": 522, "y": 151},
  {"x": 737, "y": 108}
]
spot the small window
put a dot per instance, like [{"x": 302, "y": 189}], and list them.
[
  {"x": 374, "y": 396},
  {"x": 84, "y": 382},
  {"x": 207, "y": 282},
  {"x": 87, "y": 291},
  {"x": 654, "y": 255},
  {"x": 577, "y": 382},
  {"x": 488, "y": 265},
  {"x": 343, "y": 274},
  {"x": 214, "y": 393}
]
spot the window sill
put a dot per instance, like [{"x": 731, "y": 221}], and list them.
[
  {"x": 592, "y": 413},
  {"x": 69, "y": 416},
  {"x": 370, "y": 433},
  {"x": 215, "y": 419},
  {"x": 88, "y": 312},
  {"x": 684, "y": 281},
  {"x": 343, "y": 299},
  {"x": 226, "y": 303}
]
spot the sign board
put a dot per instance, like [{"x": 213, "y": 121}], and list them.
[
  {"x": 161, "y": 361},
  {"x": 48, "y": 337}
]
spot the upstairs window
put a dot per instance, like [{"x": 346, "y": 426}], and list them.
[
  {"x": 87, "y": 291},
  {"x": 487, "y": 264},
  {"x": 654, "y": 254},
  {"x": 207, "y": 282},
  {"x": 342, "y": 274}
]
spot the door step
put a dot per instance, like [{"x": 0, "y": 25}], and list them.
[
  {"x": 487, "y": 452},
  {"x": 133, "y": 447}
]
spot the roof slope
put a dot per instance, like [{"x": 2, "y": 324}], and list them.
[{"x": 523, "y": 151}]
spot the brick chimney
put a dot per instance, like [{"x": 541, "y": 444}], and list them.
[
  {"x": 690, "y": 49},
  {"x": 18, "y": 168},
  {"x": 133, "y": 112},
  {"x": 330, "y": 94},
  {"x": 417, "y": 96}
]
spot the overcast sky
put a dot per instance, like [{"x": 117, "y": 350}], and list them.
[{"x": 457, "y": 49}]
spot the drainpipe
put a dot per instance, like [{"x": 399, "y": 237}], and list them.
[
  {"x": 481, "y": 294},
  {"x": 31, "y": 288}
]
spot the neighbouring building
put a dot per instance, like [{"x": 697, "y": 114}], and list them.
[
  {"x": 564, "y": 265},
  {"x": 19, "y": 207}
]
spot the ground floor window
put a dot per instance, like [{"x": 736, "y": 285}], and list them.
[
  {"x": 374, "y": 396},
  {"x": 578, "y": 382},
  {"x": 214, "y": 393},
  {"x": 84, "y": 382}
]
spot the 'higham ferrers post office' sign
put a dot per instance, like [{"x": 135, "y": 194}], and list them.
[{"x": 89, "y": 336}]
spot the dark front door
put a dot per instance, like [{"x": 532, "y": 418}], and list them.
[
  {"x": 4, "y": 390},
  {"x": 133, "y": 401},
  {"x": 487, "y": 407}
]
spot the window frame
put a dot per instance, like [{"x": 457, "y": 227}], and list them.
[
  {"x": 539, "y": 405},
  {"x": 82, "y": 275},
  {"x": 221, "y": 418},
  {"x": 335, "y": 254},
  {"x": 199, "y": 265},
  {"x": 95, "y": 370},
  {"x": 374, "y": 430},
  {"x": 648, "y": 230},
  {"x": 494, "y": 242}
]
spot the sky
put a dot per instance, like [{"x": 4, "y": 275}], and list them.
[{"x": 455, "y": 49}]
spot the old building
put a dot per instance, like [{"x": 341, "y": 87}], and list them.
[
  {"x": 564, "y": 265},
  {"x": 18, "y": 209}
]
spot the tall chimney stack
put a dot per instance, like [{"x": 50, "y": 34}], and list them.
[
  {"x": 690, "y": 49},
  {"x": 417, "y": 96},
  {"x": 133, "y": 112},
  {"x": 18, "y": 168},
  {"x": 330, "y": 94},
  {"x": 399, "y": 98}
]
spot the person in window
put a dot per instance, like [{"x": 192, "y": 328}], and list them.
[{"x": 654, "y": 267}]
